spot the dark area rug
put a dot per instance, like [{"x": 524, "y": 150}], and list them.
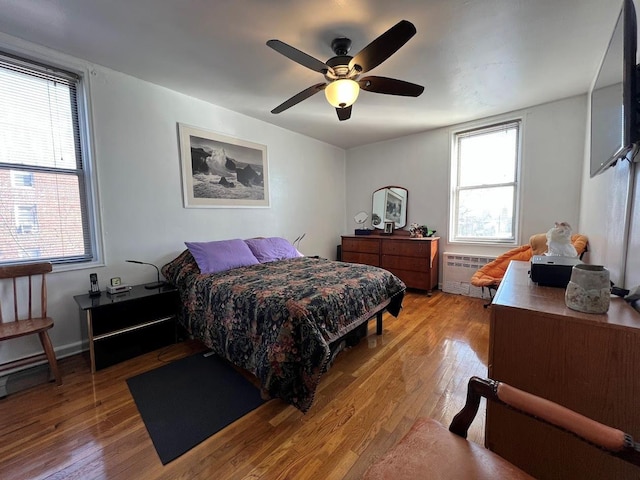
[{"x": 186, "y": 401}]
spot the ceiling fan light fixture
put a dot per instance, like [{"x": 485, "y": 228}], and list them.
[{"x": 342, "y": 93}]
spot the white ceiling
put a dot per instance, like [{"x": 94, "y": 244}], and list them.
[{"x": 476, "y": 58}]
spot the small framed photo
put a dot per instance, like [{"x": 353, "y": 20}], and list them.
[{"x": 388, "y": 227}]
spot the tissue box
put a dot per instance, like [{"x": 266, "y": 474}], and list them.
[{"x": 551, "y": 271}]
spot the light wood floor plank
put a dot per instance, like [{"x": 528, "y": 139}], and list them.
[{"x": 90, "y": 428}]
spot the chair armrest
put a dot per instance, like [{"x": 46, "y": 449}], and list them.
[
  {"x": 614, "y": 441},
  {"x": 477, "y": 387}
]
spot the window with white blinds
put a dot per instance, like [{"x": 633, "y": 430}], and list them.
[
  {"x": 44, "y": 208},
  {"x": 484, "y": 173}
]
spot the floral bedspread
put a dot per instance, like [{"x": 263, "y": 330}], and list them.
[{"x": 276, "y": 319}]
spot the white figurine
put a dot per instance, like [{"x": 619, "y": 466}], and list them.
[{"x": 559, "y": 241}]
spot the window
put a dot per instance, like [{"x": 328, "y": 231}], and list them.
[
  {"x": 21, "y": 179},
  {"x": 484, "y": 164},
  {"x": 26, "y": 218},
  {"x": 45, "y": 207}
]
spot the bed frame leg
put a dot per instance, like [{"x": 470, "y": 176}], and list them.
[{"x": 379, "y": 323}]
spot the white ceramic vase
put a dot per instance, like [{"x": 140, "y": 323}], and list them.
[{"x": 589, "y": 289}]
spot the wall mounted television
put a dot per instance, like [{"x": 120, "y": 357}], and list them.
[{"x": 613, "y": 96}]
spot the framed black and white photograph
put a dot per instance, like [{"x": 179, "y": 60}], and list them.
[
  {"x": 222, "y": 171},
  {"x": 388, "y": 227},
  {"x": 393, "y": 206}
]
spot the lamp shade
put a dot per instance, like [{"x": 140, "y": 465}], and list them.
[{"x": 342, "y": 93}]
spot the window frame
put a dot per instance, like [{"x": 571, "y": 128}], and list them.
[
  {"x": 455, "y": 189},
  {"x": 31, "y": 54}
]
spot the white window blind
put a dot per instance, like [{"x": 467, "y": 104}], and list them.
[
  {"x": 485, "y": 184},
  {"x": 40, "y": 148}
]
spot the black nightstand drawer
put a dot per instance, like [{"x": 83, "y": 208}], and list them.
[
  {"x": 134, "y": 312},
  {"x": 117, "y": 348}
]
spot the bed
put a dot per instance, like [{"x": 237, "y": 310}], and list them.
[{"x": 282, "y": 320}]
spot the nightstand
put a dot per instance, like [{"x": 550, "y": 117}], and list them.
[{"x": 128, "y": 324}]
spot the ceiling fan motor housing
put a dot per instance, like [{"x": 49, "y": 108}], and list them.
[
  {"x": 340, "y": 66},
  {"x": 341, "y": 45}
]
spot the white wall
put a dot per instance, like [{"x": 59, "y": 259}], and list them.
[
  {"x": 138, "y": 169},
  {"x": 632, "y": 277},
  {"x": 603, "y": 213},
  {"x": 553, "y": 150}
]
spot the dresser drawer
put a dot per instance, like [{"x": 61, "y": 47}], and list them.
[
  {"x": 413, "y": 279},
  {"x": 404, "y": 263},
  {"x": 363, "y": 245},
  {"x": 358, "y": 257},
  {"x": 409, "y": 248}
]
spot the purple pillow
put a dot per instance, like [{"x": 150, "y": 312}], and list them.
[
  {"x": 272, "y": 249},
  {"x": 213, "y": 257}
]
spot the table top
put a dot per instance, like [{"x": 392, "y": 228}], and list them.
[
  {"x": 392, "y": 237},
  {"x": 518, "y": 291},
  {"x": 87, "y": 302}
]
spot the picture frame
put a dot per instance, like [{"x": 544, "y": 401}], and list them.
[
  {"x": 388, "y": 227},
  {"x": 393, "y": 207},
  {"x": 219, "y": 171}
]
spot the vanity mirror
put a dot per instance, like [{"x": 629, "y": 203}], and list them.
[{"x": 389, "y": 205}]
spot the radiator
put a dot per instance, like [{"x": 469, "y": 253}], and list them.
[
  {"x": 17, "y": 381},
  {"x": 458, "y": 270}
]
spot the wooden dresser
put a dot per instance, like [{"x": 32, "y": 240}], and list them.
[
  {"x": 587, "y": 362},
  {"x": 413, "y": 260}
]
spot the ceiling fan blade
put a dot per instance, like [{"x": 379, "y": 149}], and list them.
[
  {"x": 344, "y": 113},
  {"x": 299, "y": 57},
  {"x": 297, "y": 98},
  {"x": 390, "y": 86},
  {"x": 383, "y": 47}
]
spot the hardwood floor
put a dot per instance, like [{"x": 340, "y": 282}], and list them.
[{"x": 89, "y": 427}]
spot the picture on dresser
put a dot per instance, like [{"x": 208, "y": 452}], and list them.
[
  {"x": 389, "y": 204},
  {"x": 393, "y": 207},
  {"x": 221, "y": 171}
]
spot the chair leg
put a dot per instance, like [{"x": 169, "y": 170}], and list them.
[
  {"x": 490, "y": 288},
  {"x": 51, "y": 356},
  {"x": 490, "y": 297}
]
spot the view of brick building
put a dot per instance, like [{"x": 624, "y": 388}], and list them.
[{"x": 40, "y": 215}]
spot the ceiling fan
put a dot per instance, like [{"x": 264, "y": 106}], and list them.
[{"x": 342, "y": 72}]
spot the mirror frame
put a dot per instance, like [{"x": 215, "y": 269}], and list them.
[{"x": 385, "y": 197}]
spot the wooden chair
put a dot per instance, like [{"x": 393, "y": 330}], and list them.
[
  {"x": 21, "y": 279},
  {"x": 430, "y": 451}
]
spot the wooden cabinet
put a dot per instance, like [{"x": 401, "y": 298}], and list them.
[
  {"x": 413, "y": 260},
  {"x": 587, "y": 362}
]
